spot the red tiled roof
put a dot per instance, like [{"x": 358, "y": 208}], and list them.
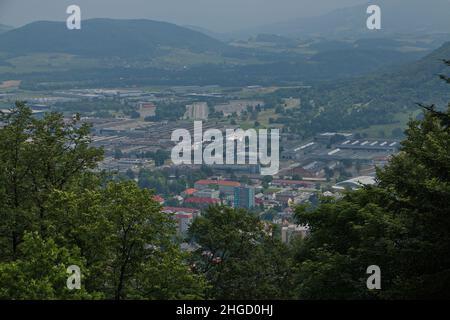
[
  {"x": 219, "y": 182},
  {"x": 190, "y": 191},
  {"x": 158, "y": 198}
]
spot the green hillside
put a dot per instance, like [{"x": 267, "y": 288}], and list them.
[
  {"x": 105, "y": 38},
  {"x": 112, "y": 53},
  {"x": 382, "y": 98}
]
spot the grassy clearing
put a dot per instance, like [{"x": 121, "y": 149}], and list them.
[
  {"x": 263, "y": 119},
  {"x": 44, "y": 62},
  {"x": 385, "y": 130}
]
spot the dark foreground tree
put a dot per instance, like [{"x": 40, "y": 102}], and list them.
[
  {"x": 402, "y": 225},
  {"x": 55, "y": 212},
  {"x": 40, "y": 272},
  {"x": 239, "y": 255},
  {"x": 36, "y": 157},
  {"x": 128, "y": 243}
]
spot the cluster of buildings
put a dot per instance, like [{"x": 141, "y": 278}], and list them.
[
  {"x": 207, "y": 193},
  {"x": 330, "y": 151},
  {"x": 232, "y": 193},
  {"x": 280, "y": 199},
  {"x": 200, "y": 110},
  {"x": 325, "y": 165}
]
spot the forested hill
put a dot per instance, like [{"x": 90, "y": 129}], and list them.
[
  {"x": 415, "y": 81},
  {"x": 105, "y": 37},
  {"x": 375, "y": 99},
  {"x": 4, "y": 28}
]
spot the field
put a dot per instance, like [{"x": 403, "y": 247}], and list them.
[{"x": 385, "y": 130}]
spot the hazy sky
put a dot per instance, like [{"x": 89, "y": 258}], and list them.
[{"x": 216, "y": 15}]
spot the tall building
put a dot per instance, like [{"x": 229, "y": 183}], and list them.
[
  {"x": 244, "y": 197},
  {"x": 197, "y": 111}
]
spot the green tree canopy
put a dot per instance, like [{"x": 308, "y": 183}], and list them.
[
  {"x": 402, "y": 225},
  {"x": 239, "y": 255},
  {"x": 57, "y": 212}
]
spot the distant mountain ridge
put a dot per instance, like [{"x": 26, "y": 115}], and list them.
[
  {"x": 397, "y": 16},
  {"x": 215, "y": 35},
  {"x": 4, "y": 28},
  {"x": 105, "y": 37},
  {"x": 143, "y": 52}
]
